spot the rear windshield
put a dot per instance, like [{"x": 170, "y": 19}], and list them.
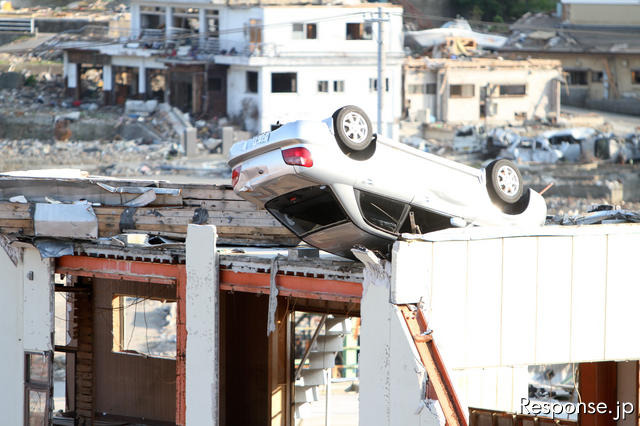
[{"x": 307, "y": 210}]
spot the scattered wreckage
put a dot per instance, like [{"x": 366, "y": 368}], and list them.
[
  {"x": 569, "y": 145},
  {"x": 336, "y": 184}
]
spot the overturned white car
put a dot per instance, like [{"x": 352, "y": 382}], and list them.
[{"x": 336, "y": 185}]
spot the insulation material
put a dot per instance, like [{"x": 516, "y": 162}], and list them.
[{"x": 76, "y": 220}]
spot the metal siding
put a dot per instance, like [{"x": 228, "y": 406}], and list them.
[
  {"x": 448, "y": 299},
  {"x": 587, "y": 296},
  {"x": 553, "y": 328},
  {"x": 623, "y": 293},
  {"x": 483, "y": 314},
  {"x": 519, "y": 300}
]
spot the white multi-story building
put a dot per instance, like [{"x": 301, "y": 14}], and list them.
[{"x": 258, "y": 65}]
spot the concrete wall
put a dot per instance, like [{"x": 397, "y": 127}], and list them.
[
  {"x": 27, "y": 317},
  {"x": 308, "y": 103},
  {"x": 620, "y": 65},
  {"x": 392, "y": 378},
  {"x": 602, "y": 13},
  {"x": 202, "y": 381}
]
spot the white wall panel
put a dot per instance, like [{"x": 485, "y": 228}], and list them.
[
  {"x": 623, "y": 294},
  {"x": 483, "y": 302},
  {"x": 587, "y": 296},
  {"x": 519, "y": 294},
  {"x": 448, "y": 296},
  {"x": 553, "y": 318}
]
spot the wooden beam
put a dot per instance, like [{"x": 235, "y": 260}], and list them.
[{"x": 437, "y": 372}]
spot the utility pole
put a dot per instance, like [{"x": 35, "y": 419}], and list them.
[{"x": 379, "y": 20}]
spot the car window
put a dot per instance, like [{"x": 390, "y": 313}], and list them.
[
  {"x": 307, "y": 210},
  {"x": 426, "y": 220},
  {"x": 381, "y": 212}
]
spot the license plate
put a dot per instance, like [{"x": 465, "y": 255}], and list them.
[{"x": 258, "y": 140}]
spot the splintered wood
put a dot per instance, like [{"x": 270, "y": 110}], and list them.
[{"x": 237, "y": 220}]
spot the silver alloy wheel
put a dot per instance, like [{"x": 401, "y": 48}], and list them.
[
  {"x": 355, "y": 127},
  {"x": 508, "y": 181}
]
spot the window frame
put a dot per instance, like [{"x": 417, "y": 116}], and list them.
[
  {"x": 338, "y": 86},
  {"x": 120, "y": 335},
  {"x": 401, "y": 219},
  {"x": 248, "y": 81},
  {"x": 36, "y": 386},
  {"x": 571, "y": 72},
  {"x": 462, "y": 95},
  {"x": 323, "y": 84},
  {"x": 512, "y": 95},
  {"x": 365, "y": 31},
  {"x": 295, "y": 82}
]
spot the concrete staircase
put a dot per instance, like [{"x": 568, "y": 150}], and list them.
[{"x": 321, "y": 359}]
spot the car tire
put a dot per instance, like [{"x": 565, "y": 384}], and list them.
[
  {"x": 504, "y": 182},
  {"x": 352, "y": 128}
]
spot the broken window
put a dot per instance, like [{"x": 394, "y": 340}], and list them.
[
  {"x": 307, "y": 210},
  {"x": 380, "y": 212},
  {"x": 635, "y": 77},
  {"x": 252, "y": 82},
  {"x": 37, "y": 385},
  {"x": 597, "y": 76},
  {"x": 302, "y": 31},
  {"x": 213, "y": 22},
  {"x": 312, "y": 31},
  {"x": 338, "y": 85},
  {"x": 214, "y": 84},
  {"x": 254, "y": 30},
  {"x": 323, "y": 86},
  {"x": 144, "y": 326},
  {"x": 425, "y": 221},
  {"x": 577, "y": 77},
  {"x": 431, "y": 88},
  {"x": 359, "y": 31},
  {"x": 187, "y": 19},
  {"x": 284, "y": 82},
  {"x": 513, "y": 89},
  {"x": 152, "y": 17},
  {"x": 462, "y": 90}
]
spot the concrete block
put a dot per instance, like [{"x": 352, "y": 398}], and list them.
[
  {"x": 11, "y": 80},
  {"x": 227, "y": 140},
  {"x": 411, "y": 272},
  {"x": 133, "y": 106},
  {"x": 190, "y": 141}
]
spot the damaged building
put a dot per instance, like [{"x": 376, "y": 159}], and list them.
[
  {"x": 254, "y": 64},
  {"x": 598, "y": 43},
  {"x": 216, "y": 274},
  {"x": 482, "y": 90}
]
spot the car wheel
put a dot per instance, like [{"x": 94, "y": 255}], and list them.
[
  {"x": 504, "y": 182},
  {"x": 352, "y": 128}
]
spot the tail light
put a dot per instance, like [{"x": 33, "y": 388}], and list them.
[
  {"x": 297, "y": 156},
  {"x": 235, "y": 175}
]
